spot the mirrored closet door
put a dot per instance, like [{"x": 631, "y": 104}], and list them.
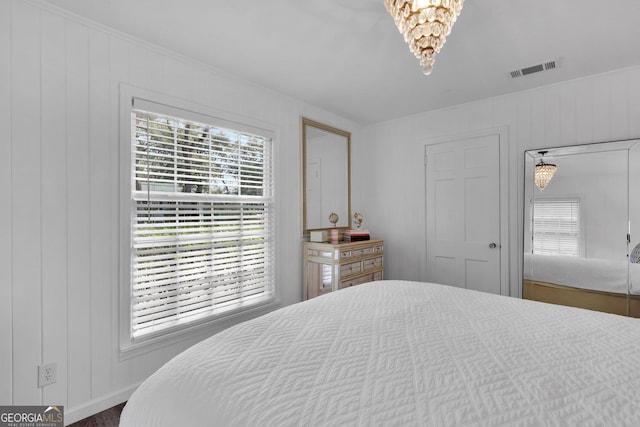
[{"x": 580, "y": 203}]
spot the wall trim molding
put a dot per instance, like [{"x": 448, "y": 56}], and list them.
[{"x": 94, "y": 406}]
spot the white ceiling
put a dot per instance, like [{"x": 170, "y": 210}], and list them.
[{"x": 348, "y": 57}]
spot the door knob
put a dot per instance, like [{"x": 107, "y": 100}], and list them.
[{"x": 492, "y": 245}]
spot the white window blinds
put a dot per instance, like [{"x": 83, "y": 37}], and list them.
[
  {"x": 557, "y": 227},
  {"x": 202, "y": 233}
]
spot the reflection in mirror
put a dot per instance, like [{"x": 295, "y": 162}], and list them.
[
  {"x": 577, "y": 227},
  {"x": 326, "y": 176}
]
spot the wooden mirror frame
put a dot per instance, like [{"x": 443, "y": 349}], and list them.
[{"x": 304, "y": 124}]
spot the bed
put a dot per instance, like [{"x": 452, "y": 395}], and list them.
[
  {"x": 404, "y": 353},
  {"x": 592, "y": 283}
]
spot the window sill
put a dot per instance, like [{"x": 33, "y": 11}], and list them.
[{"x": 199, "y": 331}]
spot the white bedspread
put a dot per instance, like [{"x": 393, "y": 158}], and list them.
[{"x": 404, "y": 353}]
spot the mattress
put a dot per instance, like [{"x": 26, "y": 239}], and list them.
[{"x": 404, "y": 353}]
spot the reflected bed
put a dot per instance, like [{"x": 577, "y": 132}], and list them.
[
  {"x": 591, "y": 283},
  {"x": 403, "y": 353}
]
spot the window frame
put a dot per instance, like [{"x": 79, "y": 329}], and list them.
[{"x": 171, "y": 106}]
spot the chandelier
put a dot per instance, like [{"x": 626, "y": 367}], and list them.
[
  {"x": 425, "y": 24},
  {"x": 544, "y": 172}
]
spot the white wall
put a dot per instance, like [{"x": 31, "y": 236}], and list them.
[
  {"x": 59, "y": 110},
  {"x": 388, "y": 184}
]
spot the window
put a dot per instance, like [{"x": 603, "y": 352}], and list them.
[
  {"x": 202, "y": 222},
  {"x": 557, "y": 227}
]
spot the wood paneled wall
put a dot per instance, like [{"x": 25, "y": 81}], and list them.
[
  {"x": 60, "y": 82},
  {"x": 389, "y": 182}
]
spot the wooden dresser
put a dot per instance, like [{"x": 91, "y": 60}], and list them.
[{"x": 328, "y": 267}]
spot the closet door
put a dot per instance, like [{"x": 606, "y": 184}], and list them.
[
  {"x": 576, "y": 227},
  {"x": 463, "y": 213}
]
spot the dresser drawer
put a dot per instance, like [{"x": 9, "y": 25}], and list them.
[
  {"x": 362, "y": 251},
  {"x": 351, "y": 268},
  {"x": 352, "y": 253},
  {"x": 370, "y": 264},
  {"x": 347, "y": 253},
  {"x": 358, "y": 280}
]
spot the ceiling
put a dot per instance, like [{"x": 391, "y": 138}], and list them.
[{"x": 347, "y": 56}]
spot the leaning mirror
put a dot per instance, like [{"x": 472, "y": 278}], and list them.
[
  {"x": 326, "y": 176},
  {"x": 579, "y": 213}
]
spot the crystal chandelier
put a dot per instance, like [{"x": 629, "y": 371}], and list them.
[
  {"x": 544, "y": 172},
  {"x": 425, "y": 24}
]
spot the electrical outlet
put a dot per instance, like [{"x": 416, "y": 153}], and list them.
[{"x": 47, "y": 374}]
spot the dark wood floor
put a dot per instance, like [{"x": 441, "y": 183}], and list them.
[{"x": 107, "y": 418}]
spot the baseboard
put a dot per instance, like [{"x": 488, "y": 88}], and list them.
[{"x": 72, "y": 415}]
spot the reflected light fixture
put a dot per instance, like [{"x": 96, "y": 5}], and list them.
[
  {"x": 425, "y": 25},
  {"x": 544, "y": 172}
]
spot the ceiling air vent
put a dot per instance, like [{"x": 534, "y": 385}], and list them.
[{"x": 533, "y": 69}]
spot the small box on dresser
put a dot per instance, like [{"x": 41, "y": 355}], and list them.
[
  {"x": 318, "y": 236},
  {"x": 328, "y": 267}
]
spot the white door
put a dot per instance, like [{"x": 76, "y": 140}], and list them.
[{"x": 463, "y": 213}]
